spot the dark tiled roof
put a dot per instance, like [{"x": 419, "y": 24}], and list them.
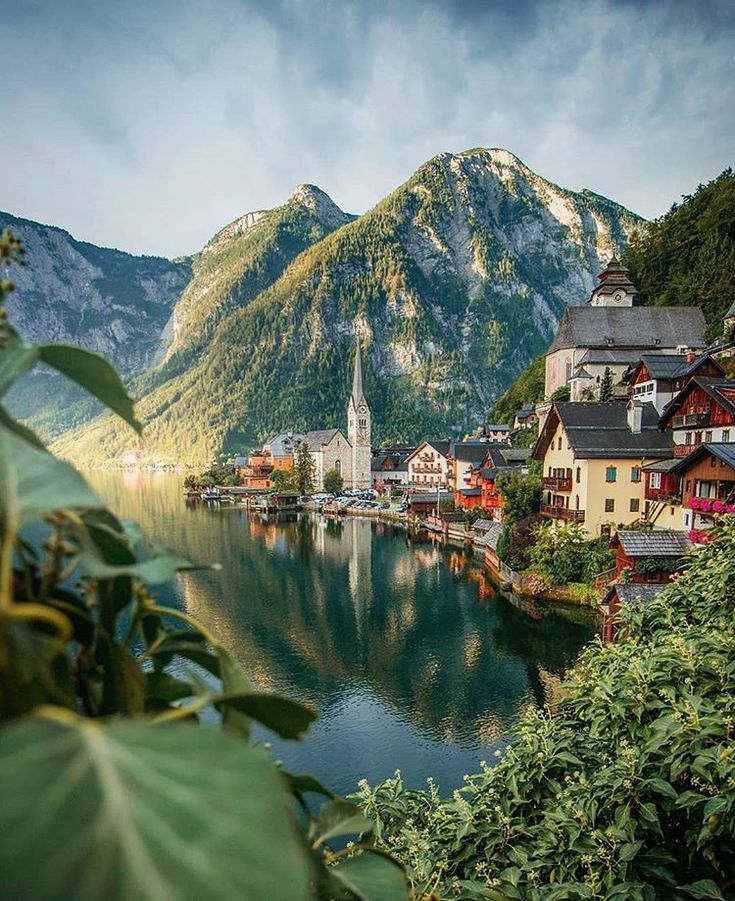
[
  {"x": 469, "y": 451},
  {"x": 441, "y": 447},
  {"x": 642, "y": 327},
  {"x": 656, "y": 543},
  {"x": 525, "y": 411},
  {"x": 634, "y": 593},
  {"x": 482, "y": 525},
  {"x": 470, "y": 492},
  {"x": 720, "y": 390},
  {"x": 491, "y": 536},
  {"x": 314, "y": 440},
  {"x": 601, "y": 430},
  {"x": 517, "y": 454},
  {"x": 429, "y": 497},
  {"x": 619, "y": 356},
  {"x": 672, "y": 366},
  {"x": 662, "y": 465},
  {"x": 723, "y": 451}
]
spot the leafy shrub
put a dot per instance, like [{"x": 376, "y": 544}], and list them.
[
  {"x": 333, "y": 481},
  {"x": 625, "y": 790}
]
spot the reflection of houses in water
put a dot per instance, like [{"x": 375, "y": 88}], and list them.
[{"x": 359, "y": 536}]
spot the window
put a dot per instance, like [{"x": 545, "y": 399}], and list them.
[
  {"x": 611, "y": 474},
  {"x": 635, "y": 473},
  {"x": 726, "y": 435},
  {"x": 688, "y": 439},
  {"x": 697, "y": 438},
  {"x": 559, "y": 442},
  {"x": 713, "y": 461},
  {"x": 568, "y": 369},
  {"x": 686, "y": 519},
  {"x": 609, "y": 505},
  {"x": 579, "y": 474},
  {"x": 635, "y": 505},
  {"x": 708, "y": 435},
  {"x": 688, "y": 485},
  {"x": 655, "y": 480},
  {"x": 363, "y": 423},
  {"x": 338, "y": 466}
]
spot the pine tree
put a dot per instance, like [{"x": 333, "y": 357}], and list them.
[
  {"x": 304, "y": 470},
  {"x": 606, "y": 386}
]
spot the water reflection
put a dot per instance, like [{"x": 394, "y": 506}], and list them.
[{"x": 410, "y": 656}]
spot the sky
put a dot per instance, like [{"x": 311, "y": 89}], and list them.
[{"x": 149, "y": 126}]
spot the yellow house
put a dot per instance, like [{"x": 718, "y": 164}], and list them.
[{"x": 592, "y": 455}]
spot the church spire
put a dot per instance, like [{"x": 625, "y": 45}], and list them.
[{"x": 358, "y": 392}]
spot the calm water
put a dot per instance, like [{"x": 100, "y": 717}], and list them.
[{"x": 410, "y": 657}]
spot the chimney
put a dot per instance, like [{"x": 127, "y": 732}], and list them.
[
  {"x": 691, "y": 356},
  {"x": 635, "y": 416}
]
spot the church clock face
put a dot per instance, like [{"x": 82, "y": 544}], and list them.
[{"x": 362, "y": 409}]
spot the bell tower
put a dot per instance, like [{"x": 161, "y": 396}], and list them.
[
  {"x": 359, "y": 426},
  {"x": 615, "y": 288}
]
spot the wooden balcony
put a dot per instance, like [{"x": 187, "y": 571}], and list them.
[
  {"x": 557, "y": 483},
  {"x": 683, "y": 450},
  {"x": 550, "y": 511},
  {"x": 690, "y": 420}
]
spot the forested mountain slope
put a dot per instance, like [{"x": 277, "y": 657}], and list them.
[
  {"x": 684, "y": 258},
  {"x": 453, "y": 283}
]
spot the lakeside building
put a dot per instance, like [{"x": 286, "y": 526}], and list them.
[
  {"x": 658, "y": 378},
  {"x": 592, "y": 456},
  {"x": 480, "y": 488},
  {"x": 389, "y": 467},
  {"x": 610, "y": 332},
  {"x": 428, "y": 465},
  {"x": 644, "y": 555}
]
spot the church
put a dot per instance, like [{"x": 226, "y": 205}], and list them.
[{"x": 350, "y": 455}]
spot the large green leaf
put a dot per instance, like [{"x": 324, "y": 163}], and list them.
[
  {"x": 95, "y": 375},
  {"x": 286, "y": 717},
  {"x": 372, "y": 877},
  {"x": 234, "y": 679},
  {"x": 33, "y": 482},
  {"x": 130, "y": 810},
  {"x": 339, "y": 818},
  {"x": 16, "y": 358},
  {"x": 22, "y": 431}
]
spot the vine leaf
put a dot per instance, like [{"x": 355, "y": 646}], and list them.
[
  {"x": 140, "y": 811},
  {"x": 339, "y": 818},
  {"x": 93, "y": 373},
  {"x": 372, "y": 877},
  {"x": 33, "y": 483}
]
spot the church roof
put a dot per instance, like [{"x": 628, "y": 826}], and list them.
[
  {"x": 316, "y": 439},
  {"x": 630, "y": 327},
  {"x": 612, "y": 278},
  {"x": 358, "y": 391}
]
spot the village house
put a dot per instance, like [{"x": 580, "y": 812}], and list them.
[
  {"x": 280, "y": 448},
  {"x": 634, "y": 594},
  {"x": 389, "y": 467},
  {"x": 481, "y": 488},
  {"x": 704, "y": 411},
  {"x": 592, "y": 456},
  {"x": 644, "y": 555},
  {"x": 658, "y": 378},
  {"x": 462, "y": 457},
  {"x": 525, "y": 418},
  {"x": 428, "y": 465},
  {"x": 493, "y": 431},
  {"x": 611, "y": 333},
  {"x": 704, "y": 482}
]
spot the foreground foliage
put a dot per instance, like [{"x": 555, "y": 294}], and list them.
[
  {"x": 625, "y": 791},
  {"x": 108, "y": 790}
]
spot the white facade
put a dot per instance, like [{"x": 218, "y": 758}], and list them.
[{"x": 428, "y": 467}]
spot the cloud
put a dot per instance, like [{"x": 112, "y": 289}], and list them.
[{"x": 149, "y": 126}]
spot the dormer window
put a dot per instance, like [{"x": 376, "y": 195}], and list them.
[{"x": 609, "y": 342}]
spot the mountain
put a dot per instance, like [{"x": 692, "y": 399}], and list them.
[
  {"x": 684, "y": 258},
  {"x": 453, "y": 283}
]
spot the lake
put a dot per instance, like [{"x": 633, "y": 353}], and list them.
[{"x": 412, "y": 659}]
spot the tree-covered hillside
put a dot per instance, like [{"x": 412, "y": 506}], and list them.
[
  {"x": 687, "y": 257},
  {"x": 452, "y": 283}
]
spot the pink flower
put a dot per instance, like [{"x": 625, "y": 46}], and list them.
[
  {"x": 730, "y": 508},
  {"x": 718, "y": 507},
  {"x": 695, "y": 503}
]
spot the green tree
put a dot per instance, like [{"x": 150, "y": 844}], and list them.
[
  {"x": 562, "y": 393},
  {"x": 333, "y": 481},
  {"x": 606, "y": 386},
  {"x": 521, "y": 493},
  {"x": 303, "y": 475}
]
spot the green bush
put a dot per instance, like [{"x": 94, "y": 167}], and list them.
[
  {"x": 333, "y": 481},
  {"x": 625, "y": 790}
]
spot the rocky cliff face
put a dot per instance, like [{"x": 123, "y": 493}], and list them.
[
  {"x": 102, "y": 299},
  {"x": 453, "y": 282}
]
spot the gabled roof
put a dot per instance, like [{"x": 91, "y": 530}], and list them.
[
  {"x": 633, "y": 593},
  {"x": 601, "y": 431},
  {"x": 283, "y": 444},
  {"x": 667, "y": 367},
  {"x": 315, "y": 440},
  {"x": 481, "y": 525},
  {"x": 662, "y": 465},
  {"x": 528, "y": 410},
  {"x": 640, "y": 327},
  {"x": 656, "y": 543},
  {"x": 470, "y": 492},
  {"x": 723, "y": 451},
  {"x": 491, "y": 536},
  {"x": 721, "y": 391},
  {"x": 441, "y": 447},
  {"x": 469, "y": 451}
]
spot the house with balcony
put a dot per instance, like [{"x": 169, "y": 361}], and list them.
[
  {"x": 463, "y": 457},
  {"x": 592, "y": 457},
  {"x": 389, "y": 467},
  {"x": 428, "y": 466},
  {"x": 525, "y": 418},
  {"x": 658, "y": 378},
  {"x": 480, "y": 481},
  {"x": 706, "y": 482},
  {"x": 702, "y": 412}
]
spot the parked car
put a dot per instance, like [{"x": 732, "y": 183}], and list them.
[{"x": 401, "y": 508}]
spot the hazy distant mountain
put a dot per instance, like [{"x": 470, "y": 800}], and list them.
[{"x": 454, "y": 282}]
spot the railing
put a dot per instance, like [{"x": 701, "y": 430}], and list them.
[
  {"x": 662, "y": 496},
  {"x": 557, "y": 483},
  {"x": 690, "y": 419},
  {"x": 551, "y": 511},
  {"x": 683, "y": 450},
  {"x": 603, "y": 579},
  {"x": 426, "y": 467}
]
